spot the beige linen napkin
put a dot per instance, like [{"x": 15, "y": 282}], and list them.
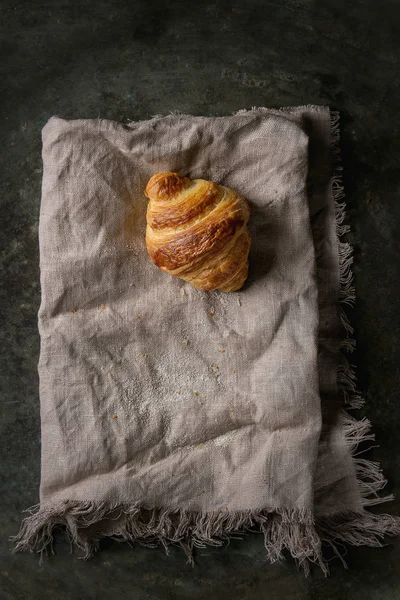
[{"x": 176, "y": 415}]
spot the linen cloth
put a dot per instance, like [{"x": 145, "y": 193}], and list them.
[{"x": 176, "y": 415}]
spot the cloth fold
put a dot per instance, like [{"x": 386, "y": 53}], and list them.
[{"x": 175, "y": 415}]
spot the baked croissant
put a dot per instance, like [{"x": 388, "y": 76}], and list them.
[{"x": 197, "y": 230}]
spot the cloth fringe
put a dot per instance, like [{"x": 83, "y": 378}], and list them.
[
  {"x": 298, "y": 532},
  {"x": 365, "y": 528},
  {"x": 346, "y": 373},
  {"x": 293, "y": 531}
]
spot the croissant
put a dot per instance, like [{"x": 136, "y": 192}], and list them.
[{"x": 197, "y": 230}]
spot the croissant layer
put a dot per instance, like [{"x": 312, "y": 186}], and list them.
[{"x": 197, "y": 230}]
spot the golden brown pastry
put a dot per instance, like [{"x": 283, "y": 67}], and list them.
[{"x": 197, "y": 230}]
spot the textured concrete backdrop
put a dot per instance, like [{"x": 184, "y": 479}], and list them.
[{"x": 129, "y": 60}]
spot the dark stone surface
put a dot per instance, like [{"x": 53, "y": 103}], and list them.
[{"x": 129, "y": 60}]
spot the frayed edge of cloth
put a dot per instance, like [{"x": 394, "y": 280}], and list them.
[
  {"x": 86, "y": 523},
  {"x": 346, "y": 374},
  {"x": 293, "y": 531},
  {"x": 370, "y": 478}
]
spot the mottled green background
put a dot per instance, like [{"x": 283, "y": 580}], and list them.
[{"x": 129, "y": 60}]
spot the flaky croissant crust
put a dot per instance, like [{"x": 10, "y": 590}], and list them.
[{"x": 197, "y": 230}]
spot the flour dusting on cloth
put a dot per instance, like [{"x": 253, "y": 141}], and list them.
[{"x": 174, "y": 415}]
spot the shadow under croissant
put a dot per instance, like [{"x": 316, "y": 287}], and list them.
[
  {"x": 260, "y": 264},
  {"x": 262, "y": 256}
]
